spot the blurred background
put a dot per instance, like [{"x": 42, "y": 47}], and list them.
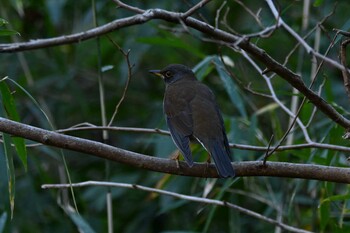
[{"x": 65, "y": 81}]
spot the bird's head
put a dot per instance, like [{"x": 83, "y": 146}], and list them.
[{"x": 173, "y": 73}]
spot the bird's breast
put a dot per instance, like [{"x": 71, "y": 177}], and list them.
[{"x": 177, "y": 98}]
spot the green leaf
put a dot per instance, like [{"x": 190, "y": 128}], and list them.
[
  {"x": 10, "y": 109},
  {"x": 10, "y": 170},
  {"x": 8, "y": 32},
  {"x": 34, "y": 101},
  {"x": 230, "y": 87},
  {"x": 3, "y": 22},
  {"x": 318, "y": 3},
  {"x": 341, "y": 197},
  {"x": 8, "y": 101},
  {"x": 21, "y": 150},
  {"x": 270, "y": 107},
  {"x": 219, "y": 196},
  {"x": 345, "y": 27},
  {"x": 79, "y": 221},
  {"x": 203, "y": 68},
  {"x": 252, "y": 130},
  {"x": 324, "y": 212}
]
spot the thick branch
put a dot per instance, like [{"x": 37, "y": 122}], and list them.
[
  {"x": 253, "y": 50},
  {"x": 317, "y": 172}
]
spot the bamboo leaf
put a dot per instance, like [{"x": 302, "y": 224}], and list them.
[
  {"x": 8, "y": 32},
  {"x": 231, "y": 88},
  {"x": 79, "y": 221},
  {"x": 10, "y": 170},
  {"x": 3, "y": 22},
  {"x": 324, "y": 212},
  {"x": 10, "y": 109},
  {"x": 203, "y": 68},
  {"x": 340, "y": 197}
]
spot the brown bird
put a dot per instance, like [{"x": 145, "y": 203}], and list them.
[{"x": 191, "y": 111}]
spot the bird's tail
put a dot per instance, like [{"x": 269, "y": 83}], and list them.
[{"x": 221, "y": 156}]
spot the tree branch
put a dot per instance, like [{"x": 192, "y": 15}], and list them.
[
  {"x": 233, "y": 40},
  {"x": 130, "y": 66},
  {"x": 89, "y": 127},
  {"x": 180, "y": 196},
  {"x": 196, "y": 7},
  {"x": 345, "y": 72},
  {"x": 305, "y": 171}
]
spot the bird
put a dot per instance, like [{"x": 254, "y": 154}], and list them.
[{"x": 191, "y": 111}]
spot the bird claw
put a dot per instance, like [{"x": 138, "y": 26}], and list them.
[
  {"x": 207, "y": 166},
  {"x": 175, "y": 156},
  {"x": 209, "y": 160}
]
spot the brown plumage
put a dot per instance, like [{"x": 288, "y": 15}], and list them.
[{"x": 191, "y": 110}]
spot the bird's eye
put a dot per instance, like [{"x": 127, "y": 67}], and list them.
[{"x": 168, "y": 74}]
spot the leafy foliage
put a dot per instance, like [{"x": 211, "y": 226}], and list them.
[
  {"x": 64, "y": 81},
  {"x": 6, "y": 32}
]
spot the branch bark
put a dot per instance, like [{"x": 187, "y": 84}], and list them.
[
  {"x": 229, "y": 38},
  {"x": 277, "y": 169}
]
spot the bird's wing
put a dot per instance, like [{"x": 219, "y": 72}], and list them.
[
  {"x": 219, "y": 152},
  {"x": 180, "y": 127},
  {"x": 226, "y": 144},
  {"x": 209, "y": 130}
]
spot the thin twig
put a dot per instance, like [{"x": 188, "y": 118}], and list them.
[
  {"x": 128, "y": 7},
  {"x": 255, "y": 16},
  {"x": 275, "y": 97},
  {"x": 295, "y": 119},
  {"x": 115, "y": 128},
  {"x": 218, "y": 11},
  {"x": 307, "y": 47},
  {"x": 303, "y": 101},
  {"x": 195, "y": 8},
  {"x": 232, "y": 145},
  {"x": 344, "y": 33},
  {"x": 300, "y": 59},
  {"x": 126, "y": 56},
  {"x": 189, "y": 4},
  {"x": 239, "y": 82},
  {"x": 225, "y": 22},
  {"x": 345, "y": 72},
  {"x": 314, "y": 109},
  {"x": 254, "y": 195},
  {"x": 180, "y": 196}
]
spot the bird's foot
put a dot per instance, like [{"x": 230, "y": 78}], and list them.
[
  {"x": 175, "y": 156},
  {"x": 207, "y": 166}
]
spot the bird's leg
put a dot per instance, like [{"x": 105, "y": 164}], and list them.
[
  {"x": 207, "y": 164},
  {"x": 175, "y": 156}
]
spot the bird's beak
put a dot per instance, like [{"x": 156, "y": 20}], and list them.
[{"x": 156, "y": 72}]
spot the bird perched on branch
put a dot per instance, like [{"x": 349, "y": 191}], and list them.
[{"x": 191, "y": 111}]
